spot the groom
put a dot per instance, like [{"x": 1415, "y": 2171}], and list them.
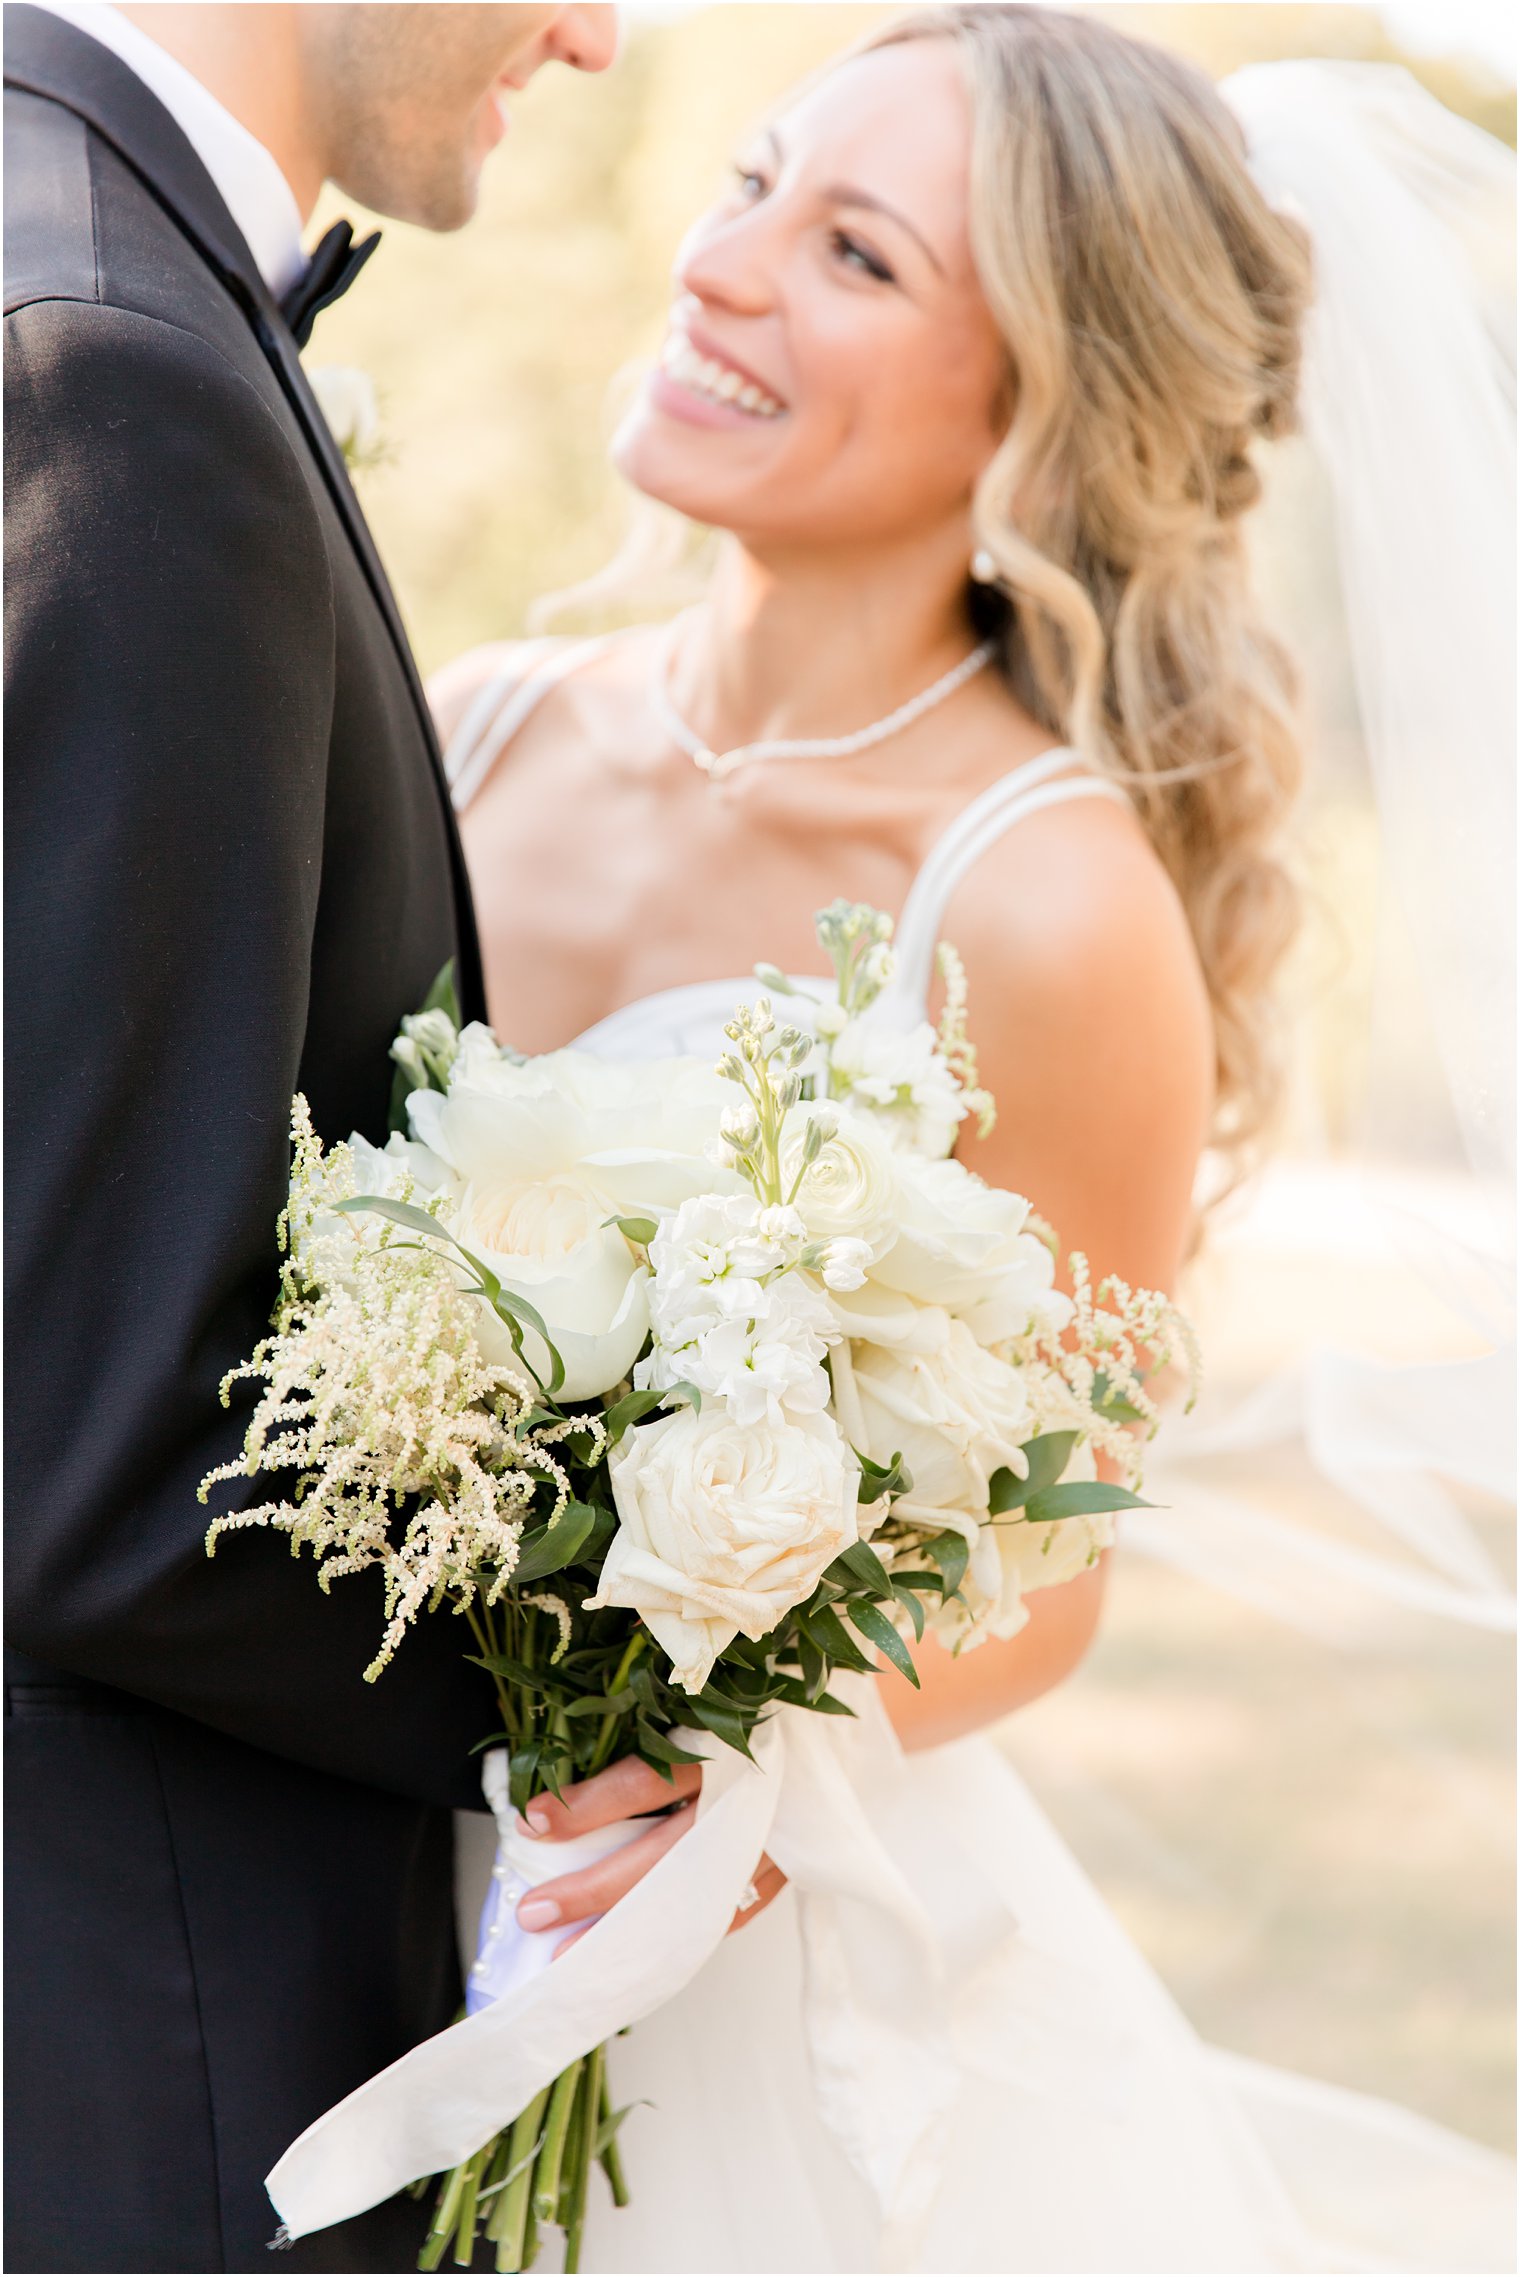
[{"x": 232, "y": 868}]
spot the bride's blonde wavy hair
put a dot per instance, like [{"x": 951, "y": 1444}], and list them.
[{"x": 1152, "y": 304}]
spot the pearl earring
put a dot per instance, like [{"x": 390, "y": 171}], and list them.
[{"x": 983, "y": 567}]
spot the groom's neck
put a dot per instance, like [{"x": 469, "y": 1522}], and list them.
[{"x": 250, "y": 59}]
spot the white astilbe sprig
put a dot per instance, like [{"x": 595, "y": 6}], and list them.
[
  {"x": 955, "y": 1046},
  {"x": 547, "y": 1602},
  {"x": 376, "y": 1398},
  {"x": 1097, "y": 1375}
]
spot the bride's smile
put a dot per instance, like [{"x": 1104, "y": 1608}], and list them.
[{"x": 832, "y": 375}]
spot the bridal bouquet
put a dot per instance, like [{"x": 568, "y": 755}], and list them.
[{"x": 683, "y": 1388}]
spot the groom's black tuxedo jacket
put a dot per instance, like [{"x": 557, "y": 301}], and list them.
[{"x": 231, "y": 867}]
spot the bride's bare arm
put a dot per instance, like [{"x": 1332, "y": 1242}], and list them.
[{"x": 1093, "y": 1033}]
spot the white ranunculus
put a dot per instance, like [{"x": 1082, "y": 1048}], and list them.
[
  {"x": 902, "y": 1080},
  {"x": 543, "y": 1153},
  {"x": 724, "y": 1527},
  {"x": 953, "y": 1411},
  {"x": 963, "y": 1244},
  {"x": 852, "y": 1189}
]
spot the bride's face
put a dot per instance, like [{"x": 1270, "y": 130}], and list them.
[{"x": 831, "y": 375}]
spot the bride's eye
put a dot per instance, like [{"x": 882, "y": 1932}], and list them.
[
  {"x": 852, "y": 254},
  {"x": 751, "y": 183}
]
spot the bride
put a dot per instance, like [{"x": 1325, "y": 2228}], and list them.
[{"x": 968, "y": 367}]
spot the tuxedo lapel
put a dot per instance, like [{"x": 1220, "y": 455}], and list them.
[{"x": 48, "y": 57}]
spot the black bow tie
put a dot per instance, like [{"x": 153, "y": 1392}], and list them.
[{"x": 331, "y": 270}]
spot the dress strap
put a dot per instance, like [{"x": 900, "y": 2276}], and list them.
[
  {"x": 505, "y": 703},
  {"x": 1041, "y": 782}
]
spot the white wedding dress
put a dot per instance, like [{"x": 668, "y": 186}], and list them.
[{"x": 1089, "y": 2128}]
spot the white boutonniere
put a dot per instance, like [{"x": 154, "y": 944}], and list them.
[{"x": 349, "y": 405}]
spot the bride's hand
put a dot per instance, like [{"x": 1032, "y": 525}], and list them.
[{"x": 629, "y": 1789}]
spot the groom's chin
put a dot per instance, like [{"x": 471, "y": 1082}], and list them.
[{"x": 441, "y": 203}]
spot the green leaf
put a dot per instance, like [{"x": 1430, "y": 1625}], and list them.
[
  {"x": 913, "y": 1606},
  {"x": 877, "y": 1479},
  {"x": 1110, "y": 1401},
  {"x": 613, "y": 2121},
  {"x": 443, "y": 996},
  {"x": 522, "y": 1774},
  {"x": 516, "y": 1313},
  {"x": 601, "y": 1704},
  {"x": 635, "y": 1405},
  {"x": 660, "y": 1747},
  {"x": 556, "y": 1546},
  {"x": 640, "y": 1230},
  {"x": 397, "y": 1118},
  {"x": 721, "y": 1720},
  {"x": 860, "y": 1564},
  {"x": 951, "y": 1552},
  {"x": 873, "y": 1623},
  {"x": 533, "y": 1418},
  {"x": 797, "y": 1696},
  {"x": 1080, "y": 1499},
  {"x": 1046, "y": 1456},
  {"x": 399, "y": 1213},
  {"x": 833, "y": 1640}
]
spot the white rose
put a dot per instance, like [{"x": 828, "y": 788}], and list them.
[
  {"x": 953, "y": 1411},
  {"x": 724, "y": 1527},
  {"x": 543, "y": 1153},
  {"x": 962, "y": 1244}
]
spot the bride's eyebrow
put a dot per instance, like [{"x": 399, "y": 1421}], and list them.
[
  {"x": 845, "y": 194},
  {"x": 842, "y": 194}
]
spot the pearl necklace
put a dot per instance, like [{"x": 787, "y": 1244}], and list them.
[{"x": 715, "y": 765}]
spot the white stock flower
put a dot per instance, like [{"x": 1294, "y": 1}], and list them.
[
  {"x": 724, "y": 1527},
  {"x": 901, "y": 1079},
  {"x": 732, "y": 1314},
  {"x": 544, "y": 1152}
]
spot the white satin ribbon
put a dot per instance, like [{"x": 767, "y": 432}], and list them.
[
  {"x": 506, "y": 1954},
  {"x": 884, "y": 2078}
]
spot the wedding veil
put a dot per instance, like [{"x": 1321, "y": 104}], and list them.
[{"x": 1408, "y": 401}]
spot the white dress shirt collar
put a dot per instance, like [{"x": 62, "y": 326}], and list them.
[{"x": 253, "y": 189}]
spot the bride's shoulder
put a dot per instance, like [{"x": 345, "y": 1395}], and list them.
[
  {"x": 1074, "y": 926},
  {"x": 504, "y": 667},
  {"x": 503, "y": 664}
]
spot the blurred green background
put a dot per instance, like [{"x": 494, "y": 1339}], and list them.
[{"x": 1314, "y": 1845}]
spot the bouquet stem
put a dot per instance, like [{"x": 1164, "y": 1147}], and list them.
[
  {"x": 533, "y": 2173},
  {"x": 609, "y": 2157}
]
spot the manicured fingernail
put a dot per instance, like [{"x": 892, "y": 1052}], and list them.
[
  {"x": 537, "y": 1913},
  {"x": 533, "y": 1820}
]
